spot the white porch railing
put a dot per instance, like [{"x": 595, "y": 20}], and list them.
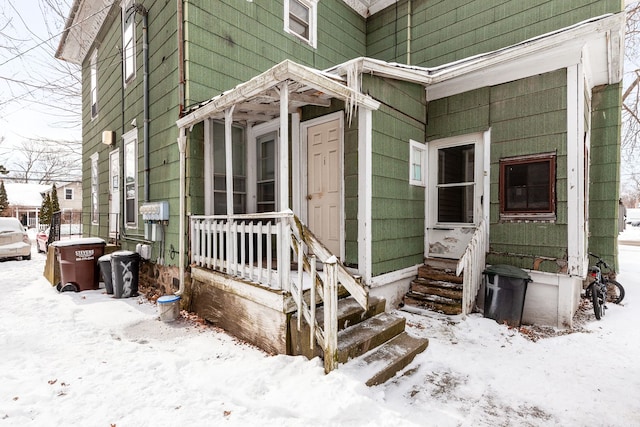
[
  {"x": 472, "y": 264},
  {"x": 258, "y": 248},
  {"x": 245, "y": 246}
]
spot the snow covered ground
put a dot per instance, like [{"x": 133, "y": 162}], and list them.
[{"x": 86, "y": 359}]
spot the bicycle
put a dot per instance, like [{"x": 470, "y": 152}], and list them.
[{"x": 603, "y": 289}]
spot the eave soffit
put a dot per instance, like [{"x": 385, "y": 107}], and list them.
[{"x": 85, "y": 20}]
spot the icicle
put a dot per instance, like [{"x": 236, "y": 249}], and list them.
[{"x": 353, "y": 83}]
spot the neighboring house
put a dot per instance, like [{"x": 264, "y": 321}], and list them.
[
  {"x": 69, "y": 199},
  {"x": 384, "y": 133},
  {"x": 25, "y": 201}
]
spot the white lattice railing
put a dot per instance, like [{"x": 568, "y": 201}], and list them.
[
  {"x": 472, "y": 264},
  {"x": 259, "y": 247}
]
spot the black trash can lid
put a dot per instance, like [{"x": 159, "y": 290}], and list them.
[{"x": 507, "y": 271}]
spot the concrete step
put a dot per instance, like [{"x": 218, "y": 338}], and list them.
[
  {"x": 367, "y": 335},
  {"x": 386, "y": 360},
  {"x": 349, "y": 313}
]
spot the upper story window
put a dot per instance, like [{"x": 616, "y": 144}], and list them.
[
  {"x": 417, "y": 163},
  {"x": 528, "y": 187},
  {"x": 68, "y": 193},
  {"x": 128, "y": 41},
  {"x": 300, "y": 17},
  {"x": 94, "y": 84}
]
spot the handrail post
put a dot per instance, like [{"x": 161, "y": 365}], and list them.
[{"x": 331, "y": 315}]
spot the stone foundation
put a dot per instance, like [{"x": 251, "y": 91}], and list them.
[{"x": 158, "y": 280}]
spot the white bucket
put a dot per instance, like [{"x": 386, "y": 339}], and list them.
[{"x": 169, "y": 307}]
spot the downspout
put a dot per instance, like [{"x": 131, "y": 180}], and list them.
[
  {"x": 182, "y": 147},
  {"x": 138, "y": 8},
  {"x": 180, "y": 17},
  {"x": 409, "y": 32}
]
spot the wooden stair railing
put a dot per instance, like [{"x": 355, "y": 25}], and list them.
[{"x": 303, "y": 243}]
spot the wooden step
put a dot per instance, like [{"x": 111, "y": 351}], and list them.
[
  {"x": 436, "y": 287},
  {"x": 367, "y": 335},
  {"x": 387, "y": 359},
  {"x": 434, "y": 303},
  {"x": 427, "y": 272},
  {"x": 349, "y": 313}
]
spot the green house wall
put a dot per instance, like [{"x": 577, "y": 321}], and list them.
[
  {"x": 527, "y": 116},
  {"x": 604, "y": 179},
  {"x": 397, "y": 216},
  {"x": 220, "y": 53},
  {"x": 446, "y": 31},
  {"x": 118, "y": 107}
]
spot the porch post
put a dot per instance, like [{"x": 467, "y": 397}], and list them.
[
  {"x": 365, "y": 192},
  {"x": 284, "y": 146},
  {"x": 228, "y": 149},
  {"x": 284, "y": 255}
]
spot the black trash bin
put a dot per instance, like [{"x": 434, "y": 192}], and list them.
[
  {"x": 105, "y": 268},
  {"x": 505, "y": 287},
  {"x": 125, "y": 266}
]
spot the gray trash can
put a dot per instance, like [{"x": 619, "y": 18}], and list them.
[
  {"x": 125, "y": 266},
  {"x": 505, "y": 288},
  {"x": 105, "y": 268}
]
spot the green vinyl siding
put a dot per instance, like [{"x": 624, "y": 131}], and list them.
[
  {"x": 446, "y": 31},
  {"x": 527, "y": 116},
  {"x": 397, "y": 216},
  {"x": 604, "y": 188},
  {"x": 220, "y": 53},
  {"x": 118, "y": 107}
]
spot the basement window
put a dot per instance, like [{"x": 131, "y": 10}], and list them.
[
  {"x": 527, "y": 187},
  {"x": 300, "y": 19}
]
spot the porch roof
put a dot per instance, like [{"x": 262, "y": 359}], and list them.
[{"x": 258, "y": 100}]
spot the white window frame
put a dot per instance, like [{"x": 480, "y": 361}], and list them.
[
  {"x": 130, "y": 148},
  {"x": 70, "y": 192},
  {"x": 128, "y": 43},
  {"x": 94, "y": 201},
  {"x": 417, "y": 157},
  {"x": 312, "y": 6},
  {"x": 94, "y": 83},
  {"x": 252, "y": 151}
]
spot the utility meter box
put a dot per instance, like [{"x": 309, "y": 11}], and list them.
[{"x": 155, "y": 211}]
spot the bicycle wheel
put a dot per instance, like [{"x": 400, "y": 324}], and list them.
[
  {"x": 595, "y": 298},
  {"x": 615, "y": 292}
]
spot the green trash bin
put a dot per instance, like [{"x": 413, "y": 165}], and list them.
[{"x": 505, "y": 288}]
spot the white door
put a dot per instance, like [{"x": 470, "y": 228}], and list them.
[
  {"x": 455, "y": 194},
  {"x": 324, "y": 183},
  {"x": 114, "y": 193}
]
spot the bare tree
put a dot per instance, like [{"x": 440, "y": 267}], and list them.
[
  {"x": 46, "y": 162},
  {"x": 32, "y": 78},
  {"x": 631, "y": 109}
]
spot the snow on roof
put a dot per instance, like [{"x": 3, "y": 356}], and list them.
[{"x": 25, "y": 194}]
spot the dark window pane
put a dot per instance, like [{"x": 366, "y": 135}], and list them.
[
  {"x": 456, "y": 164},
  {"x": 527, "y": 186},
  {"x": 455, "y": 204}
]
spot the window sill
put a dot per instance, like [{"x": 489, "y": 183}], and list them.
[{"x": 532, "y": 217}]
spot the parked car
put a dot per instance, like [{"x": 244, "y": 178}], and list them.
[
  {"x": 41, "y": 240},
  {"x": 14, "y": 240},
  {"x": 633, "y": 217}
]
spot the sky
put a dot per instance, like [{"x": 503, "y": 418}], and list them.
[
  {"x": 87, "y": 359},
  {"x": 25, "y": 110}
]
